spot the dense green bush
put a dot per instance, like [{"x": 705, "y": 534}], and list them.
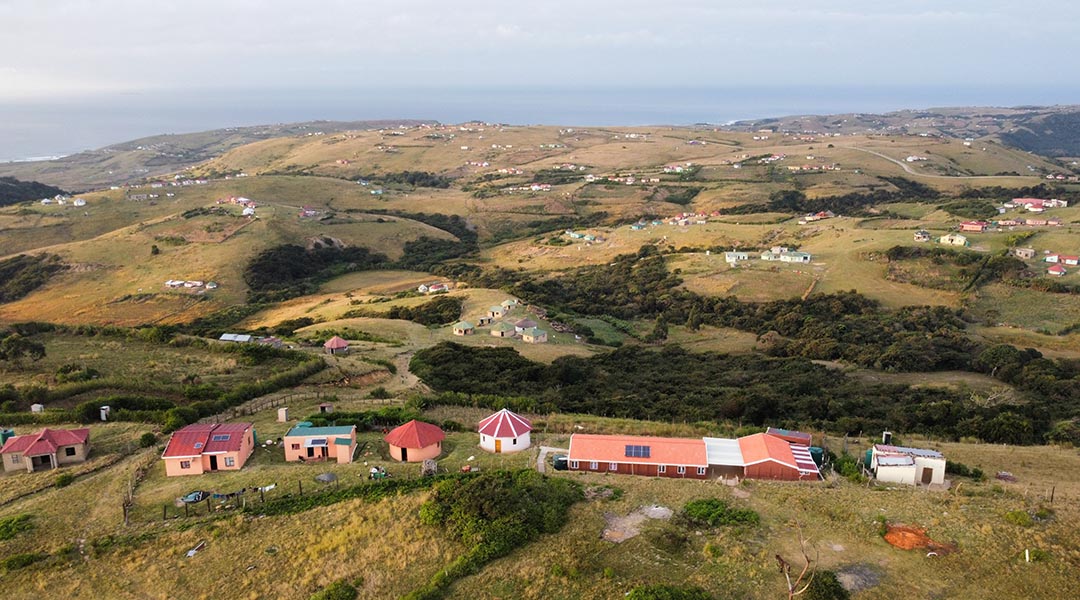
[
  {"x": 14, "y": 525},
  {"x": 64, "y": 480},
  {"x": 19, "y": 561},
  {"x": 341, "y": 589},
  {"x": 825, "y": 586},
  {"x": 147, "y": 439},
  {"x": 713, "y": 512}
]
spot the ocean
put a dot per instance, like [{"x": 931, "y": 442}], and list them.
[{"x": 65, "y": 125}]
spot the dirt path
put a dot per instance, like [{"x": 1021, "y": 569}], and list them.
[
  {"x": 907, "y": 168},
  {"x": 541, "y": 459},
  {"x": 404, "y": 378}
]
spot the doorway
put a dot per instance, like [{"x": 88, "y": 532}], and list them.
[
  {"x": 213, "y": 463},
  {"x": 498, "y": 446},
  {"x": 404, "y": 455},
  {"x": 927, "y": 475}
]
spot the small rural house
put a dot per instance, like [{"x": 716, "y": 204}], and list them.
[
  {"x": 974, "y": 226},
  {"x": 508, "y": 304},
  {"x": 533, "y": 335},
  {"x": 1056, "y": 271},
  {"x": 483, "y": 321},
  {"x": 524, "y": 324},
  {"x": 771, "y": 457},
  {"x": 954, "y": 239},
  {"x": 790, "y": 436},
  {"x": 922, "y": 236},
  {"x": 47, "y": 449},
  {"x": 734, "y": 257},
  {"x": 1024, "y": 253},
  {"x": 236, "y": 338},
  {"x": 504, "y": 432},
  {"x": 795, "y": 257},
  {"x": 464, "y": 328},
  {"x": 336, "y": 345},
  {"x": 415, "y": 441},
  {"x": 503, "y": 329},
  {"x": 639, "y": 455},
  {"x": 911, "y": 466},
  {"x": 496, "y": 312},
  {"x": 202, "y": 447},
  {"x": 305, "y": 443}
]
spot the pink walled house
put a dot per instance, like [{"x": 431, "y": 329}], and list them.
[
  {"x": 207, "y": 447},
  {"x": 304, "y": 443}
]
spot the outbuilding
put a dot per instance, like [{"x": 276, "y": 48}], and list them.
[
  {"x": 304, "y": 443},
  {"x": 336, "y": 345},
  {"x": 771, "y": 457},
  {"x": 415, "y": 441},
  {"x": 504, "y": 432},
  {"x": 463, "y": 328},
  {"x": 503, "y": 329},
  {"x": 910, "y": 466}
]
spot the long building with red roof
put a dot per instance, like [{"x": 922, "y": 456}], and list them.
[{"x": 48, "y": 448}]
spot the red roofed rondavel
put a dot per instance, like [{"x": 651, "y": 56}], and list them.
[
  {"x": 504, "y": 431},
  {"x": 49, "y": 448},
  {"x": 415, "y": 441},
  {"x": 336, "y": 345}
]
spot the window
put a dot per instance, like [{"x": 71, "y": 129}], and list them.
[
  {"x": 661, "y": 469},
  {"x": 635, "y": 451},
  {"x": 198, "y": 445},
  {"x": 223, "y": 437},
  {"x": 185, "y": 464},
  {"x": 593, "y": 465},
  {"x": 701, "y": 470},
  {"x": 230, "y": 461},
  {"x": 681, "y": 470},
  {"x": 296, "y": 446},
  {"x": 16, "y": 458},
  {"x": 613, "y": 466},
  {"x": 69, "y": 451},
  {"x": 515, "y": 442},
  {"x": 573, "y": 464}
]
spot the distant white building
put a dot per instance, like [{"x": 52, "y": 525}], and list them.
[
  {"x": 734, "y": 257},
  {"x": 910, "y": 466}
]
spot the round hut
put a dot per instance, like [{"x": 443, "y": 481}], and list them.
[
  {"x": 415, "y": 441},
  {"x": 504, "y": 432}
]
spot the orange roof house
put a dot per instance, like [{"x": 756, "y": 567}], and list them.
[
  {"x": 639, "y": 455},
  {"x": 49, "y": 448},
  {"x": 770, "y": 457},
  {"x": 415, "y": 441},
  {"x": 202, "y": 447},
  {"x": 504, "y": 431},
  {"x": 336, "y": 345}
]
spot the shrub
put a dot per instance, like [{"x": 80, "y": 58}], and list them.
[
  {"x": 64, "y": 480},
  {"x": 713, "y": 512},
  {"x": 18, "y": 561},
  {"x": 380, "y": 393},
  {"x": 14, "y": 525},
  {"x": 825, "y": 586},
  {"x": 668, "y": 592},
  {"x": 147, "y": 439},
  {"x": 1019, "y": 517},
  {"x": 339, "y": 590}
]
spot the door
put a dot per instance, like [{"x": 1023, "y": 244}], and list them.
[
  {"x": 927, "y": 475},
  {"x": 213, "y": 463},
  {"x": 311, "y": 451},
  {"x": 404, "y": 455},
  {"x": 498, "y": 446}
]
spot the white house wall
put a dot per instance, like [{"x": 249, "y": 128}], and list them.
[
  {"x": 903, "y": 474},
  {"x": 487, "y": 442}
]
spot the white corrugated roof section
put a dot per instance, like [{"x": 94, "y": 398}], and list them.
[
  {"x": 723, "y": 452},
  {"x": 803, "y": 460}
]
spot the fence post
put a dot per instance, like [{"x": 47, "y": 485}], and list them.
[
  {"x": 301, "y": 484},
  {"x": 164, "y": 512}
]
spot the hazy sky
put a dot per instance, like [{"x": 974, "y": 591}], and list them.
[{"x": 66, "y": 48}]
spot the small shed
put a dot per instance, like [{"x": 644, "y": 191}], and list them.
[
  {"x": 503, "y": 329},
  {"x": 283, "y": 414},
  {"x": 534, "y": 336},
  {"x": 37, "y": 408},
  {"x": 509, "y": 304},
  {"x": 415, "y": 441},
  {"x": 496, "y": 312},
  {"x": 336, "y": 345},
  {"x": 504, "y": 432},
  {"x": 524, "y": 324},
  {"x": 326, "y": 407},
  {"x": 464, "y": 328},
  {"x": 911, "y": 466}
]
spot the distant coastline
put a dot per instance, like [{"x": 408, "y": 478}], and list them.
[{"x": 58, "y": 127}]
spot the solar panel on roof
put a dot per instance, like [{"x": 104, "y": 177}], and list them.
[
  {"x": 221, "y": 438},
  {"x": 635, "y": 451}
]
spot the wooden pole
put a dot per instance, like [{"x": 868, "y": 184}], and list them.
[
  {"x": 164, "y": 512},
  {"x": 186, "y": 510},
  {"x": 209, "y": 509},
  {"x": 301, "y": 484},
  {"x": 262, "y": 496}
]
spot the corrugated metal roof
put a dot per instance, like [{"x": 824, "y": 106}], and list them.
[
  {"x": 321, "y": 431},
  {"x": 504, "y": 424},
  {"x": 723, "y": 452},
  {"x": 804, "y": 460},
  {"x": 922, "y": 452},
  {"x": 661, "y": 451},
  {"x": 894, "y": 460}
]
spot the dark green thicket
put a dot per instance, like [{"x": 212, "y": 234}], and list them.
[{"x": 22, "y": 274}]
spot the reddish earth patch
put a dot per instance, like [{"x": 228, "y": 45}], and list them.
[{"x": 907, "y": 537}]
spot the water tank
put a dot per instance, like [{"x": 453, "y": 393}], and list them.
[
  {"x": 868, "y": 461},
  {"x": 5, "y": 435},
  {"x": 559, "y": 462},
  {"x": 818, "y": 454},
  {"x": 105, "y": 410}
]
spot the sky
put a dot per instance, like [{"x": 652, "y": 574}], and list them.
[{"x": 59, "y": 49}]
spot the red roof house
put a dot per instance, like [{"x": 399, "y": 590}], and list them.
[
  {"x": 1056, "y": 271},
  {"x": 203, "y": 447},
  {"x": 770, "y": 457},
  {"x": 336, "y": 345},
  {"x": 639, "y": 455},
  {"x": 49, "y": 448},
  {"x": 789, "y": 436},
  {"x": 415, "y": 441},
  {"x": 976, "y": 226},
  {"x": 504, "y": 431}
]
